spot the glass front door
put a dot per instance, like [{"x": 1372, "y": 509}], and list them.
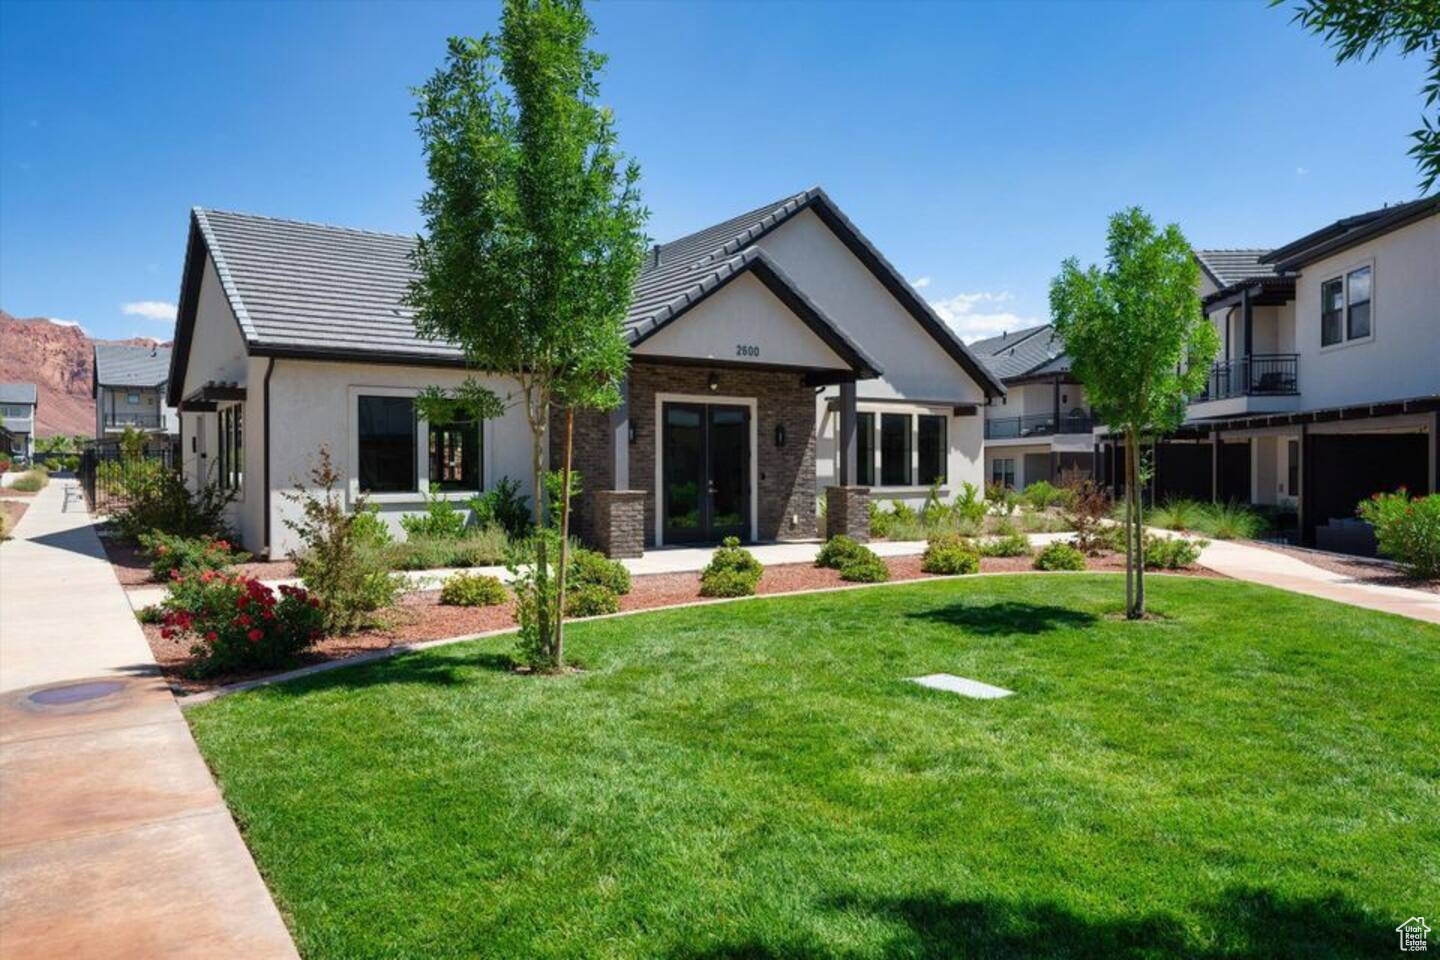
[{"x": 706, "y": 472}]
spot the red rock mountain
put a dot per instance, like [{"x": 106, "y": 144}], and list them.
[{"x": 57, "y": 358}]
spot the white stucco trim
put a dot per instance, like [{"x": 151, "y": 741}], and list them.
[
  {"x": 422, "y": 451},
  {"x": 715, "y": 400}
]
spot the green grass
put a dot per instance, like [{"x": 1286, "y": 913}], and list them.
[{"x": 1252, "y": 774}]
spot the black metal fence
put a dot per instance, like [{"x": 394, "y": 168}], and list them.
[
  {"x": 1040, "y": 425},
  {"x": 109, "y": 473},
  {"x": 1264, "y": 374}
]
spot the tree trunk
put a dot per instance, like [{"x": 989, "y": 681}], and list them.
[
  {"x": 559, "y": 651},
  {"x": 537, "y": 408},
  {"x": 1129, "y": 521},
  {"x": 1139, "y": 543}
]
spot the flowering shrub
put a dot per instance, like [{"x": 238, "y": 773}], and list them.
[
  {"x": 237, "y": 622},
  {"x": 1406, "y": 529},
  {"x": 186, "y": 554}
]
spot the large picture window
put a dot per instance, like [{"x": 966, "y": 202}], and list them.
[
  {"x": 931, "y": 442},
  {"x": 865, "y": 449},
  {"x": 455, "y": 455},
  {"x": 894, "y": 449},
  {"x": 387, "y": 444}
]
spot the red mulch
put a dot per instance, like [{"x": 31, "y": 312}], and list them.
[
  {"x": 12, "y": 492},
  {"x": 14, "y": 510},
  {"x": 133, "y": 570},
  {"x": 1364, "y": 571},
  {"x": 420, "y": 616}
]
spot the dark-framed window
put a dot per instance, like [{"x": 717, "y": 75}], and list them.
[
  {"x": 930, "y": 440},
  {"x": 1002, "y": 472},
  {"x": 865, "y": 449},
  {"x": 894, "y": 449},
  {"x": 1332, "y": 311},
  {"x": 232, "y": 447},
  {"x": 455, "y": 455},
  {"x": 386, "y": 427},
  {"x": 1357, "y": 303},
  {"x": 1292, "y": 468}
]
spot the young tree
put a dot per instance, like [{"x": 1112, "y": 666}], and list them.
[
  {"x": 1140, "y": 344},
  {"x": 1362, "y": 29},
  {"x": 534, "y": 239}
]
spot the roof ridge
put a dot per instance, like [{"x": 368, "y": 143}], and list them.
[{"x": 291, "y": 221}]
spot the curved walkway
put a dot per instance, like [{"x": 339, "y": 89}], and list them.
[
  {"x": 114, "y": 840},
  {"x": 1274, "y": 569}
]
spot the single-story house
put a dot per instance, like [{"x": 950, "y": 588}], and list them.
[{"x": 777, "y": 358}]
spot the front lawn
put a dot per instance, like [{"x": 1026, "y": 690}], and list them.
[{"x": 1255, "y": 773}]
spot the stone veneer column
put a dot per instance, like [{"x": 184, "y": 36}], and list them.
[
  {"x": 847, "y": 511},
  {"x": 619, "y": 528}
]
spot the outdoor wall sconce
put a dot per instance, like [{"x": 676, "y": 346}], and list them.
[
  {"x": 714, "y": 382},
  {"x": 779, "y": 434}
]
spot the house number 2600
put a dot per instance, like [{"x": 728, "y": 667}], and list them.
[{"x": 747, "y": 350}]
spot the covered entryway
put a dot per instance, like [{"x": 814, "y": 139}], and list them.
[{"x": 705, "y": 472}]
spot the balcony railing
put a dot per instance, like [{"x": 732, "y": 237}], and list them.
[
  {"x": 1258, "y": 375},
  {"x": 140, "y": 420},
  {"x": 1042, "y": 425}
]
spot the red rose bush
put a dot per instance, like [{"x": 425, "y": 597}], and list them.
[{"x": 237, "y": 622}]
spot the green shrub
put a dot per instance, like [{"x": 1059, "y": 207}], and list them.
[
  {"x": 503, "y": 506},
  {"x": 1059, "y": 556},
  {"x": 1042, "y": 495},
  {"x": 154, "y": 613},
  {"x": 838, "y": 551},
  {"x": 478, "y": 548},
  {"x": 157, "y": 500},
  {"x": 348, "y": 580},
  {"x": 1171, "y": 553},
  {"x": 1176, "y": 515},
  {"x": 168, "y": 554},
  {"x": 31, "y": 481},
  {"x": 1406, "y": 530},
  {"x": 949, "y": 557},
  {"x": 442, "y": 520},
  {"x": 592, "y": 567},
  {"x": 590, "y": 600},
  {"x": 472, "y": 590},
  {"x": 969, "y": 505},
  {"x": 1011, "y": 545},
  {"x": 238, "y": 622},
  {"x": 369, "y": 530},
  {"x": 1231, "y": 521},
  {"x": 732, "y": 571},
  {"x": 866, "y": 568}
]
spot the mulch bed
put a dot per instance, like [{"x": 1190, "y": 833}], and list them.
[
  {"x": 14, "y": 510},
  {"x": 12, "y": 492},
  {"x": 132, "y": 569},
  {"x": 1364, "y": 571},
  {"x": 420, "y": 616}
]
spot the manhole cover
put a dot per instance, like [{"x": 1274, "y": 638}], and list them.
[{"x": 75, "y": 693}]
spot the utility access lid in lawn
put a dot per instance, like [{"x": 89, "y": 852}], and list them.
[{"x": 961, "y": 685}]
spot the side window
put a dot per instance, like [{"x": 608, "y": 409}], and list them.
[
  {"x": 455, "y": 455},
  {"x": 932, "y": 449},
  {"x": 386, "y": 428},
  {"x": 1357, "y": 304},
  {"x": 1332, "y": 309},
  {"x": 894, "y": 449},
  {"x": 865, "y": 449}
]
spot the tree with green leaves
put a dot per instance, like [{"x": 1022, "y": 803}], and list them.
[
  {"x": 534, "y": 238},
  {"x": 1140, "y": 344},
  {"x": 1361, "y": 29}
]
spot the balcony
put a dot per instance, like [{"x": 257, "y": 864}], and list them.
[
  {"x": 1042, "y": 425},
  {"x": 1260, "y": 383},
  {"x": 140, "y": 420}
]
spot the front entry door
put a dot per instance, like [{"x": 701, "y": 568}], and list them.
[{"x": 705, "y": 472}]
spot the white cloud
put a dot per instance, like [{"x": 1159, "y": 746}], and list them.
[
  {"x": 967, "y": 315},
  {"x": 68, "y": 323},
  {"x": 1301, "y": 171},
  {"x": 150, "y": 310},
  {"x": 920, "y": 283}
]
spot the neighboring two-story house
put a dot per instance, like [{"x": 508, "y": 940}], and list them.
[
  {"x": 1327, "y": 388},
  {"x": 1041, "y": 428},
  {"x": 17, "y": 418},
  {"x": 129, "y": 389}
]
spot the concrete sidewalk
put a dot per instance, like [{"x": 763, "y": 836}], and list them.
[
  {"x": 1274, "y": 569},
  {"x": 114, "y": 840}
]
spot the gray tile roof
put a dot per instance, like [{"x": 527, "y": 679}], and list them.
[
  {"x": 1034, "y": 350},
  {"x": 126, "y": 365},
  {"x": 1233, "y": 266},
  {"x": 18, "y": 393},
  {"x": 307, "y": 288}
]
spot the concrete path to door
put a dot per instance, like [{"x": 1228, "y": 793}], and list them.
[
  {"x": 114, "y": 840},
  {"x": 1274, "y": 569}
]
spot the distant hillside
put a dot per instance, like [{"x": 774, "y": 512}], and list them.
[{"x": 57, "y": 358}]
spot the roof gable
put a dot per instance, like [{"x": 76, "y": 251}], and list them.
[
  {"x": 130, "y": 365},
  {"x": 1024, "y": 353}
]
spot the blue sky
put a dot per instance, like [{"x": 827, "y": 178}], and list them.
[{"x": 976, "y": 144}]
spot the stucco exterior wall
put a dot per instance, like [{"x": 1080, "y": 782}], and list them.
[
  {"x": 1401, "y": 359},
  {"x": 217, "y": 351}
]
